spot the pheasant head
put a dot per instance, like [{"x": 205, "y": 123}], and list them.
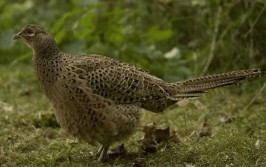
[{"x": 39, "y": 40}]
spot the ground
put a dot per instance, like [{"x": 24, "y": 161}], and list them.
[{"x": 226, "y": 127}]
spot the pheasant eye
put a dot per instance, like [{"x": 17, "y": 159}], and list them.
[{"x": 29, "y": 32}]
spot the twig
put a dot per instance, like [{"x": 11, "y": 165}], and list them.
[
  {"x": 256, "y": 20},
  {"x": 185, "y": 118},
  {"x": 251, "y": 32},
  {"x": 255, "y": 97},
  {"x": 213, "y": 42}
]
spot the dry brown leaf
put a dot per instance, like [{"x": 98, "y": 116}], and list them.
[
  {"x": 139, "y": 162},
  {"x": 118, "y": 151},
  {"x": 182, "y": 103},
  {"x": 149, "y": 131},
  {"x": 6, "y": 107},
  {"x": 225, "y": 119},
  {"x": 205, "y": 130},
  {"x": 198, "y": 105},
  {"x": 155, "y": 134}
]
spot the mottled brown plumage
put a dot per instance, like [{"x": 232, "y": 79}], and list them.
[{"x": 98, "y": 99}]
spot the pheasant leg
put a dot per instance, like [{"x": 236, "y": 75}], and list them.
[{"x": 103, "y": 152}]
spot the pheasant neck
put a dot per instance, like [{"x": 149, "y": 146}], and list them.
[{"x": 47, "y": 50}]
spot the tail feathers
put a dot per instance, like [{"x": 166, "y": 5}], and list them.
[
  {"x": 181, "y": 96},
  {"x": 201, "y": 84},
  {"x": 210, "y": 85}
]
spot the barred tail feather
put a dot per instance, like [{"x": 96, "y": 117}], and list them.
[{"x": 197, "y": 86}]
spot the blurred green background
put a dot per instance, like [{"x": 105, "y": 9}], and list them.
[{"x": 172, "y": 39}]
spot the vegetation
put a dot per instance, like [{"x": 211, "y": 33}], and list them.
[{"x": 172, "y": 39}]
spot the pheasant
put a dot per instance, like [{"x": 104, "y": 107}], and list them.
[{"x": 100, "y": 100}]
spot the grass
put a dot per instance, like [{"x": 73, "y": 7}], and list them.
[{"x": 30, "y": 136}]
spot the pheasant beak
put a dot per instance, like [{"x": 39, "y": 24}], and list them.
[{"x": 17, "y": 36}]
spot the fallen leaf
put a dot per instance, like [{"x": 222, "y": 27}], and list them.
[
  {"x": 139, "y": 162},
  {"x": 6, "y": 107},
  {"x": 149, "y": 131},
  {"x": 257, "y": 144},
  {"x": 182, "y": 103},
  {"x": 162, "y": 135},
  {"x": 205, "y": 130},
  {"x": 155, "y": 134},
  {"x": 190, "y": 165},
  {"x": 198, "y": 105},
  {"x": 118, "y": 151},
  {"x": 225, "y": 119}
]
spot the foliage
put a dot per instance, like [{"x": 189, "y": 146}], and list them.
[{"x": 206, "y": 34}]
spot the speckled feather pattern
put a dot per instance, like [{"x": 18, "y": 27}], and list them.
[
  {"x": 99, "y": 99},
  {"x": 80, "y": 108}
]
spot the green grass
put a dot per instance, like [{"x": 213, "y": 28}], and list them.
[{"x": 30, "y": 136}]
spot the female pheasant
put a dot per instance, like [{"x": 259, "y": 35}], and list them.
[{"x": 98, "y": 99}]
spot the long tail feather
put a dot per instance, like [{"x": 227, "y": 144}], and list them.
[{"x": 195, "y": 87}]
